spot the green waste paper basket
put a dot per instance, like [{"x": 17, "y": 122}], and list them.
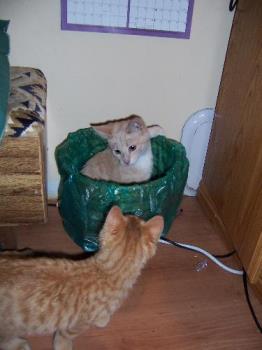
[{"x": 85, "y": 202}]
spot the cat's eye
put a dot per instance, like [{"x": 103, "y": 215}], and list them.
[
  {"x": 132, "y": 148},
  {"x": 117, "y": 151}
]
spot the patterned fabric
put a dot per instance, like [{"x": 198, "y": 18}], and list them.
[{"x": 27, "y": 102}]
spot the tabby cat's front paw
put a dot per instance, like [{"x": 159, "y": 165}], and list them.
[
  {"x": 15, "y": 344},
  {"x": 61, "y": 342}
]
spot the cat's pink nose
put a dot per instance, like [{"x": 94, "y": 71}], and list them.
[{"x": 126, "y": 161}]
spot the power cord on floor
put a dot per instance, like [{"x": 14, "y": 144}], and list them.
[
  {"x": 249, "y": 302},
  {"x": 203, "y": 252},
  {"x": 223, "y": 256},
  {"x": 215, "y": 258}
]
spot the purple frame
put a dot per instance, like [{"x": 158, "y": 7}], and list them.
[{"x": 125, "y": 30}]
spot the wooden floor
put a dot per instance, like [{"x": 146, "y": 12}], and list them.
[{"x": 172, "y": 307}]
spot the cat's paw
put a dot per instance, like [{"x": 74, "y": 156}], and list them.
[
  {"x": 62, "y": 342},
  {"x": 15, "y": 344},
  {"x": 24, "y": 346},
  {"x": 102, "y": 320}
]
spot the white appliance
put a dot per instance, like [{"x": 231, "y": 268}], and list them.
[{"x": 195, "y": 138}]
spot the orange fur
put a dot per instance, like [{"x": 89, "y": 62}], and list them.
[{"x": 62, "y": 296}]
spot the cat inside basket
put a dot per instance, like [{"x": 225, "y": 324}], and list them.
[{"x": 128, "y": 157}]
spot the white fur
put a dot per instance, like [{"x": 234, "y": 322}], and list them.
[{"x": 145, "y": 161}]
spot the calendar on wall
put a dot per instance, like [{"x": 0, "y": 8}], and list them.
[{"x": 166, "y": 18}]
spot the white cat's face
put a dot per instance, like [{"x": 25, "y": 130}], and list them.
[
  {"x": 129, "y": 138},
  {"x": 128, "y": 149}
]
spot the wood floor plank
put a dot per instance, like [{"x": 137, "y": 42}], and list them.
[{"x": 172, "y": 306}]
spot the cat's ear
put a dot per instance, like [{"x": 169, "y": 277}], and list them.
[
  {"x": 104, "y": 130},
  {"x": 154, "y": 227},
  {"x": 114, "y": 217},
  {"x": 136, "y": 124},
  {"x": 155, "y": 130}
]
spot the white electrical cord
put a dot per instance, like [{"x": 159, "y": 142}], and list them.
[{"x": 207, "y": 254}]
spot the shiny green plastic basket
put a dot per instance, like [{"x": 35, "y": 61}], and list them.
[{"x": 85, "y": 202}]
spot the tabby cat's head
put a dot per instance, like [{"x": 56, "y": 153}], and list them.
[
  {"x": 128, "y": 138},
  {"x": 131, "y": 234}
]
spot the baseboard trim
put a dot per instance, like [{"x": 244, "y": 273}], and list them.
[
  {"x": 52, "y": 189},
  {"x": 254, "y": 269}
]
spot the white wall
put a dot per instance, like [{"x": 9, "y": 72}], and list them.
[{"x": 94, "y": 77}]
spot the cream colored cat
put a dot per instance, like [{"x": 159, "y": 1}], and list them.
[
  {"x": 128, "y": 157},
  {"x": 65, "y": 297}
]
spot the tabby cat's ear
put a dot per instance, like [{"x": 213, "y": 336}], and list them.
[
  {"x": 104, "y": 131},
  {"x": 114, "y": 217},
  {"x": 155, "y": 130},
  {"x": 155, "y": 227},
  {"x": 136, "y": 124}
]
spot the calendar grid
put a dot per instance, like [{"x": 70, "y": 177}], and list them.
[{"x": 166, "y": 18}]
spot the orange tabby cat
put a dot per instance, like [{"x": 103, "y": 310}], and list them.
[
  {"x": 44, "y": 295},
  {"x": 128, "y": 157}
]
